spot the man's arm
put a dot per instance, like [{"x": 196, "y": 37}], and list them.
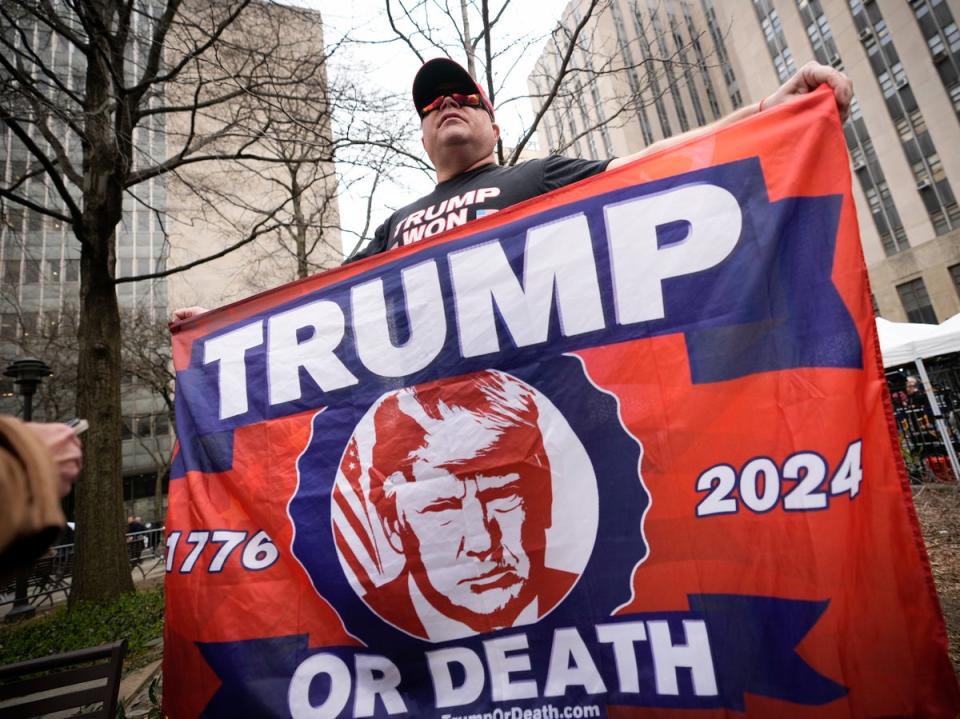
[
  {"x": 377, "y": 245},
  {"x": 807, "y": 79}
]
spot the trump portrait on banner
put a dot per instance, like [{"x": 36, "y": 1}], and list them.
[{"x": 444, "y": 503}]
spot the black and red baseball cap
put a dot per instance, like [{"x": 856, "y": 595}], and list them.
[{"x": 441, "y": 76}]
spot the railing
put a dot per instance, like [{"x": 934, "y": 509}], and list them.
[{"x": 50, "y": 576}]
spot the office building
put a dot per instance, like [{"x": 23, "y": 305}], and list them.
[
  {"x": 902, "y": 134},
  {"x": 162, "y": 225}
]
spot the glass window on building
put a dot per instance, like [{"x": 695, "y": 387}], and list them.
[
  {"x": 125, "y": 431},
  {"x": 11, "y": 273},
  {"x": 936, "y": 45},
  {"x": 887, "y": 86},
  {"x": 873, "y": 198},
  {"x": 916, "y": 302},
  {"x": 882, "y": 31},
  {"x": 71, "y": 270},
  {"x": 952, "y": 34},
  {"x": 936, "y": 167},
  {"x": 855, "y": 112},
  {"x": 30, "y": 322},
  {"x": 53, "y": 270},
  {"x": 904, "y": 129},
  {"x": 9, "y": 324},
  {"x": 143, "y": 425},
  {"x": 14, "y": 218},
  {"x": 955, "y": 276},
  {"x": 916, "y": 119},
  {"x": 31, "y": 272}
]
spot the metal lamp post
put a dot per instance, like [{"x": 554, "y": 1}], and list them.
[{"x": 27, "y": 374}]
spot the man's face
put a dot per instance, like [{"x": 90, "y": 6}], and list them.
[
  {"x": 468, "y": 520},
  {"x": 455, "y": 131},
  {"x": 912, "y": 386}
]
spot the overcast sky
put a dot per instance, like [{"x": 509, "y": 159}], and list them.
[{"x": 394, "y": 65}]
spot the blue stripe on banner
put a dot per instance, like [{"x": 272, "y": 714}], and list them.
[{"x": 727, "y": 646}]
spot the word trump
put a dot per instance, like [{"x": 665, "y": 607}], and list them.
[
  {"x": 563, "y": 285},
  {"x": 435, "y": 219},
  {"x": 505, "y": 670}
]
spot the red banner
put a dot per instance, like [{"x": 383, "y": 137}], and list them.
[{"x": 623, "y": 450}]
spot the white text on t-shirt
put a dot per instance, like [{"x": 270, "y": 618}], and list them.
[{"x": 435, "y": 219}]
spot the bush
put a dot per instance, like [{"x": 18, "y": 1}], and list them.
[{"x": 136, "y": 617}]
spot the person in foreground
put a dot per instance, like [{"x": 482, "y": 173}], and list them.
[
  {"x": 39, "y": 463},
  {"x": 460, "y": 133}
]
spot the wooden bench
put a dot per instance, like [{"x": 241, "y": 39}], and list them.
[{"x": 83, "y": 678}]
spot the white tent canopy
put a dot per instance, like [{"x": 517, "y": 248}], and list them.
[{"x": 902, "y": 342}]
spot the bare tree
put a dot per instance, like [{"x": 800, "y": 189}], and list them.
[
  {"x": 483, "y": 35},
  {"x": 371, "y": 137},
  {"x": 53, "y": 339},
  {"x": 148, "y": 364},
  {"x": 156, "y": 88}
]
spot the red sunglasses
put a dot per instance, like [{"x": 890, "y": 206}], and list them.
[{"x": 471, "y": 100}]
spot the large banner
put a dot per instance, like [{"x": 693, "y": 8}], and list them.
[{"x": 624, "y": 450}]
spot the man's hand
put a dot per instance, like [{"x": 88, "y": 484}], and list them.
[
  {"x": 185, "y": 313},
  {"x": 807, "y": 79},
  {"x": 64, "y": 448}
]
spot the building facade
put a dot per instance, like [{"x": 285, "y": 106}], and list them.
[
  {"x": 902, "y": 134},
  {"x": 40, "y": 260},
  {"x": 163, "y": 225}
]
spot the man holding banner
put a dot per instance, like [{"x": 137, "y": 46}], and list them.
[
  {"x": 622, "y": 450},
  {"x": 460, "y": 134}
]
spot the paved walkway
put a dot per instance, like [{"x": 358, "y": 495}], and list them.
[{"x": 135, "y": 689}]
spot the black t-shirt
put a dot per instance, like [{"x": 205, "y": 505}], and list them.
[{"x": 475, "y": 194}]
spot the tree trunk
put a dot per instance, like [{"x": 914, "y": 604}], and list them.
[
  {"x": 300, "y": 227},
  {"x": 101, "y": 566}
]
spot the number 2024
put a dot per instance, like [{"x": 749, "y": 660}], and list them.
[{"x": 806, "y": 471}]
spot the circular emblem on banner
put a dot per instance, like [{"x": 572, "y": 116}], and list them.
[{"x": 463, "y": 506}]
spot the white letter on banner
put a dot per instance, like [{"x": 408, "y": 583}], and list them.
[
  {"x": 562, "y": 673},
  {"x": 639, "y": 266},
  {"x": 695, "y": 654},
  {"x": 369, "y": 685},
  {"x": 446, "y": 694},
  {"x": 324, "y": 320},
  {"x": 558, "y": 260},
  {"x": 428, "y": 325},
  {"x": 230, "y": 349},
  {"x": 501, "y": 666},
  {"x": 622, "y": 636},
  {"x": 298, "y": 694}
]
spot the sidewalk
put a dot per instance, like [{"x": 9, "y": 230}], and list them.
[{"x": 135, "y": 689}]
